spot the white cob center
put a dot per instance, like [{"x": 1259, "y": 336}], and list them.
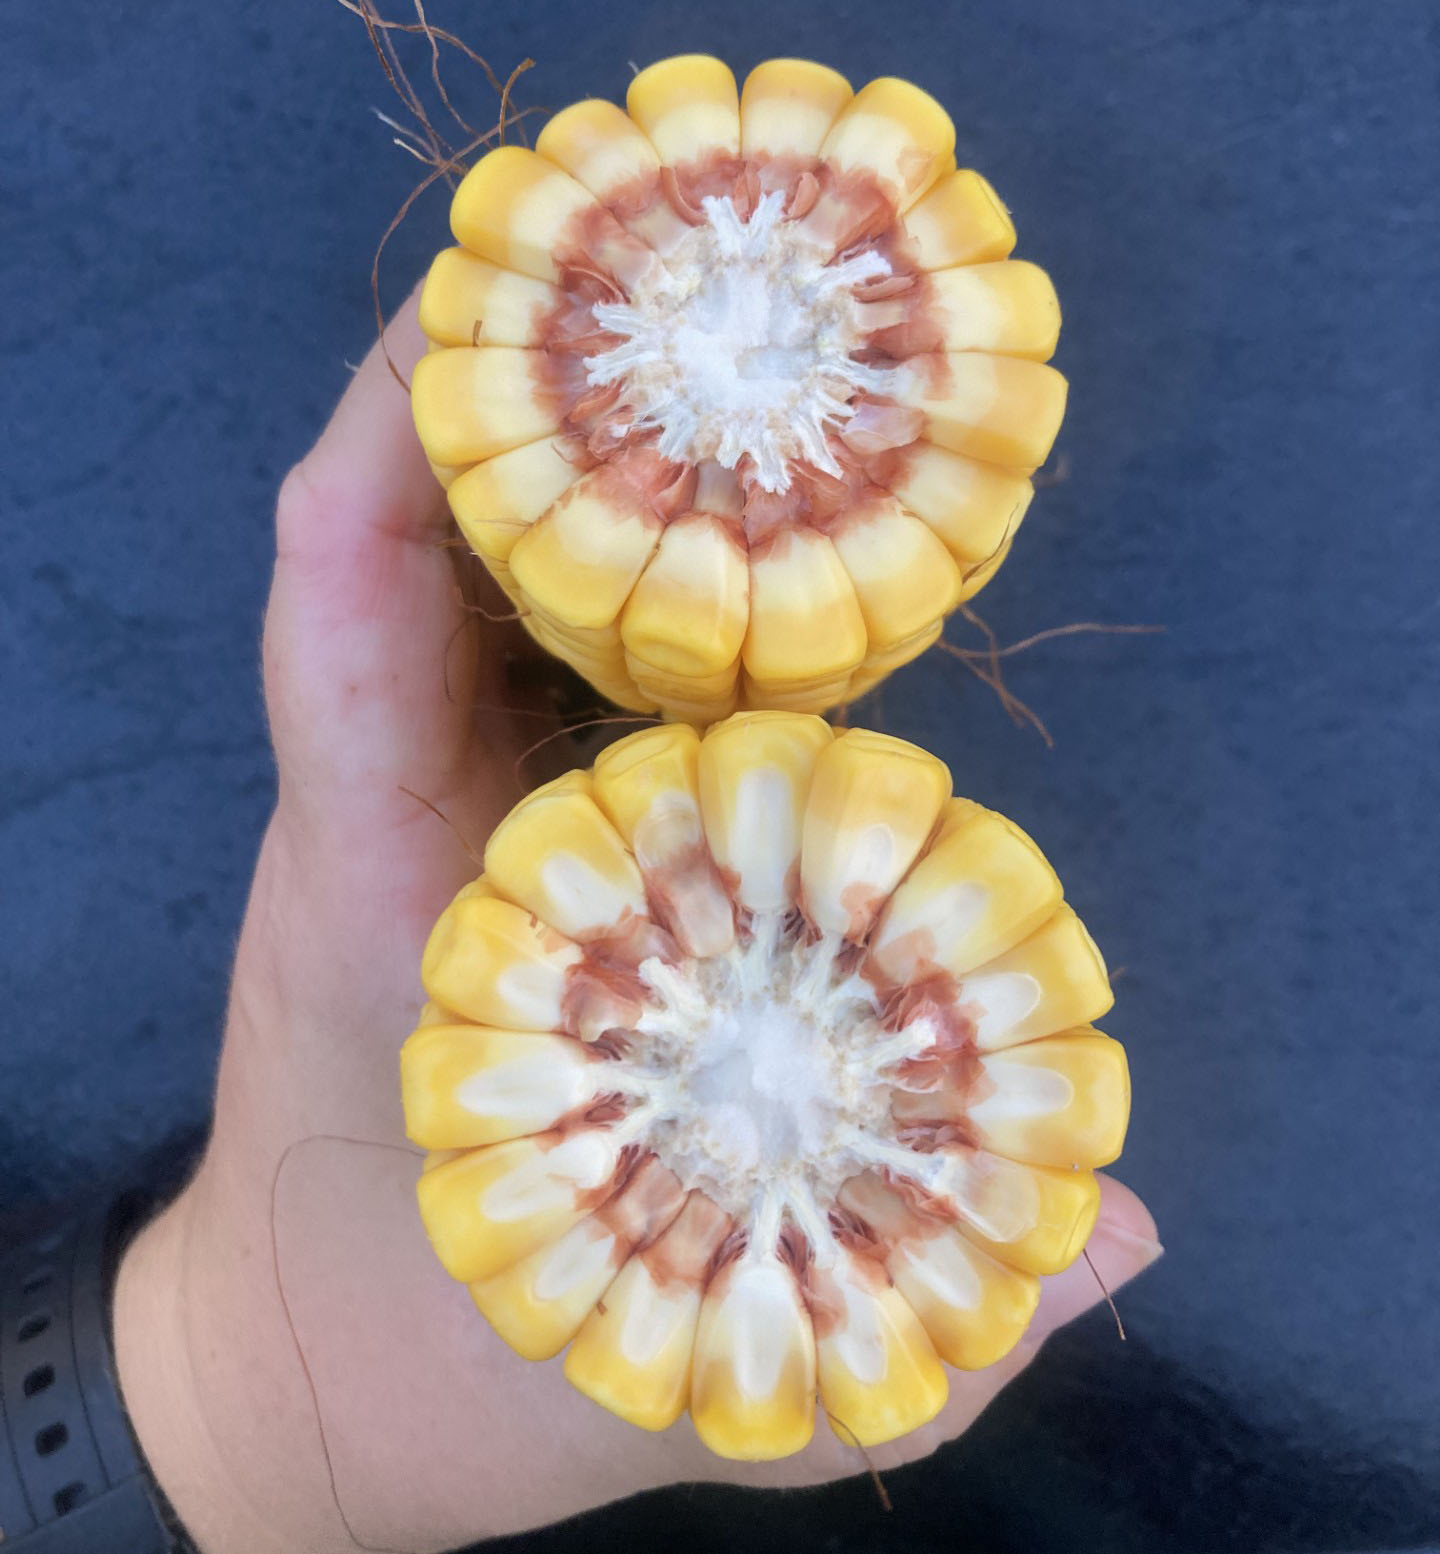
[
  {"x": 760, "y": 1072},
  {"x": 738, "y": 344}
]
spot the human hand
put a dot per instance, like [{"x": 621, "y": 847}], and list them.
[{"x": 300, "y": 1370}]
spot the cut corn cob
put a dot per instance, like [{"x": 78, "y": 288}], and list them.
[
  {"x": 737, "y": 393},
  {"x": 757, "y": 1070}
]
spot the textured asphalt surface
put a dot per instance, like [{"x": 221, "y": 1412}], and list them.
[{"x": 1237, "y": 203}]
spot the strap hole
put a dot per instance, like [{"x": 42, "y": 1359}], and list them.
[
  {"x": 68, "y": 1498},
  {"x": 49, "y": 1440},
  {"x": 32, "y": 1327},
  {"x": 38, "y": 1380},
  {"x": 37, "y": 1281}
]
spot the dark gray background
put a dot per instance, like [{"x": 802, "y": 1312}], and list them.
[{"x": 1237, "y": 203}]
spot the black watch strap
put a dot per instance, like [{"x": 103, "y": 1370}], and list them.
[{"x": 72, "y": 1480}]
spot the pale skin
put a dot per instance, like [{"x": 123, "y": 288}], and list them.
[{"x": 381, "y": 1411}]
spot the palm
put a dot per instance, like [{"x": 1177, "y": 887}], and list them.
[{"x": 432, "y": 1432}]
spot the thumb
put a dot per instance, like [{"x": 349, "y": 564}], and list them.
[
  {"x": 370, "y": 679},
  {"x": 1123, "y": 1244}
]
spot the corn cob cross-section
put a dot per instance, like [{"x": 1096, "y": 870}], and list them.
[
  {"x": 737, "y": 394},
  {"x": 758, "y": 1068}
]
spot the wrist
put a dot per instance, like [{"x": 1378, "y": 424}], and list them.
[
  {"x": 227, "y": 1431},
  {"x": 71, "y": 1476}
]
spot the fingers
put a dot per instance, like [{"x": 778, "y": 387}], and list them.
[{"x": 1124, "y": 1243}]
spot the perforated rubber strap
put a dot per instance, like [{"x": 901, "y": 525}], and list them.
[{"x": 71, "y": 1478}]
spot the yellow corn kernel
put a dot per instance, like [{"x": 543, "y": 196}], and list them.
[
  {"x": 981, "y": 888},
  {"x": 1000, "y": 409},
  {"x": 1035, "y": 1218},
  {"x": 595, "y": 651},
  {"x": 877, "y": 666},
  {"x": 1049, "y": 982},
  {"x": 432, "y": 1013},
  {"x": 446, "y": 474},
  {"x": 755, "y": 771},
  {"x": 604, "y": 669},
  {"x": 517, "y": 209},
  {"x": 600, "y": 147},
  {"x": 688, "y": 613},
  {"x": 580, "y": 560},
  {"x": 814, "y": 697},
  {"x": 708, "y": 689},
  {"x": 477, "y": 890},
  {"x": 689, "y": 107},
  {"x": 973, "y": 1307},
  {"x": 648, "y": 784},
  {"x": 980, "y": 573},
  {"x": 471, "y": 403},
  {"x": 788, "y": 106},
  {"x": 897, "y": 133},
  {"x": 469, "y": 301},
  {"x": 487, "y": 1208},
  {"x": 492, "y": 961},
  {"x": 466, "y": 1085},
  {"x": 905, "y": 581},
  {"x": 632, "y": 1355},
  {"x": 873, "y": 802},
  {"x": 974, "y": 508},
  {"x": 559, "y": 856},
  {"x": 1009, "y": 307},
  {"x": 1061, "y": 1101},
  {"x": 960, "y": 221},
  {"x": 672, "y": 687},
  {"x": 752, "y": 1386},
  {"x": 698, "y": 705},
  {"x": 878, "y": 1372},
  {"x": 495, "y": 502},
  {"x": 805, "y": 621},
  {"x": 539, "y": 1303}
]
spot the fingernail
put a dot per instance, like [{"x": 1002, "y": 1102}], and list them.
[{"x": 1147, "y": 1247}]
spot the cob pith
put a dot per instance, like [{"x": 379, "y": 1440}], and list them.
[
  {"x": 758, "y": 1067},
  {"x": 737, "y": 394}
]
